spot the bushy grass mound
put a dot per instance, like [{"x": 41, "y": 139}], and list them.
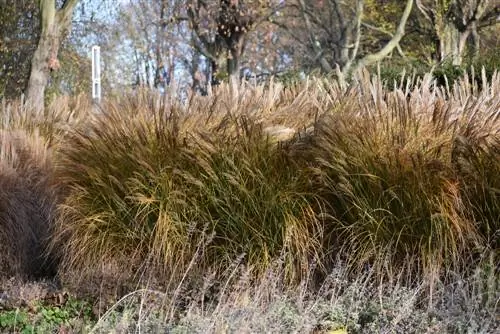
[
  {"x": 262, "y": 208},
  {"x": 391, "y": 179},
  {"x": 408, "y": 177},
  {"x": 158, "y": 187},
  {"x": 27, "y": 205},
  {"x": 29, "y": 192}
]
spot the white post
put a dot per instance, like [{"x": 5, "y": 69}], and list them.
[{"x": 96, "y": 73}]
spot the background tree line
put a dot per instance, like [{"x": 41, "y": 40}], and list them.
[{"x": 44, "y": 44}]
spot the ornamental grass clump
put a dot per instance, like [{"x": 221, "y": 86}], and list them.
[
  {"x": 27, "y": 205},
  {"x": 408, "y": 176},
  {"x": 28, "y": 194},
  {"x": 156, "y": 185},
  {"x": 476, "y": 155},
  {"x": 390, "y": 179},
  {"x": 62, "y": 114}
]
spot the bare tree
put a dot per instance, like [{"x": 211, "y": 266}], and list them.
[
  {"x": 330, "y": 34},
  {"x": 54, "y": 24},
  {"x": 221, "y": 27},
  {"x": 149, "y": 45}
]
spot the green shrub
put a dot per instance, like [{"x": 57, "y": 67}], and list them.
[
  {"x": 42, "y": 317},
  {"x": 15, "y": 320}
]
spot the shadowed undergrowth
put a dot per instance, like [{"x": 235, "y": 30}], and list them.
[{"x": 29, "y": 194}]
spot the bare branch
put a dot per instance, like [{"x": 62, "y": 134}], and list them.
[
  {"x": 314, "y": 41},
  {"x": 383, "y": 31},
  {"x": 359, "y": 16},
  {"x": 65, "y": 14},
  {"x": 426, "y": 12},
  {"x": 400, "y": 31}
]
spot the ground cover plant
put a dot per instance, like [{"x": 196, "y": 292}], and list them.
[{"x": 303, "y": 208}]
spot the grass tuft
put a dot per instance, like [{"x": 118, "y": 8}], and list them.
[{"x": 145, "y": 185}]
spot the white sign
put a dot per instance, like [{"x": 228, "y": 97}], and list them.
[{"x": 96, "y": 73}]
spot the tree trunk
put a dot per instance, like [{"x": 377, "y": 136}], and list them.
[
  {"x": 233, "y": 70},
  {"x": 449, "y": 43},
  {"x": 453, "y": 42},
  {"x": 475, "y": 42},
  {"x": 233, "y": 59},
  {"x": 54, "y": 24},
  {"x": 40, "y": 73},
  {"x": 325, "y": 66},
  {"x": 456, "y": 25}
]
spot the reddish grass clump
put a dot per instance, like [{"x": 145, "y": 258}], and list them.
[{"x": 27, "y": 205}]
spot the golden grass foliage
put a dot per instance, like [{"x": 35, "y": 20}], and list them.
[
  {"x": 412, "y": 175},
  {"x": 163, "y": 186},
  {"x": 256, "y": 173}
]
